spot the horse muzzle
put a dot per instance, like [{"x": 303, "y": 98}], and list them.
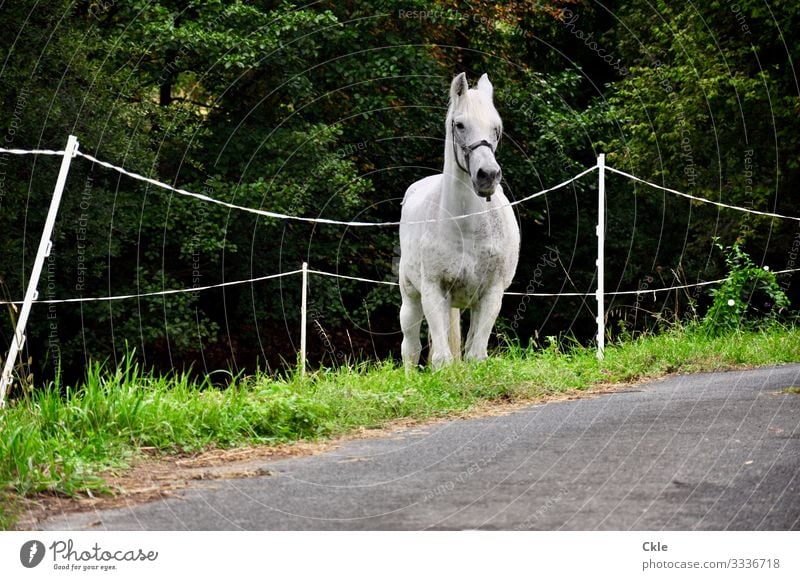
[{"x": 486, "y": 181}]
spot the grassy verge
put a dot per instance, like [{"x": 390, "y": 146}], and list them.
[{"x": 56, "y": 442}]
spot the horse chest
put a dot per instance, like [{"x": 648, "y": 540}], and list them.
[{"x": 467, "y": 268}]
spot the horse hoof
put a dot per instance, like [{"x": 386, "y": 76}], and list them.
[{"x": 439, "y": 364}]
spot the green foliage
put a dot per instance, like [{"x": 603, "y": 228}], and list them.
[
  {"x": 689, "y": 67},
  {"x": 749, "y": 297},
  {"x": 331, "y": 109}
]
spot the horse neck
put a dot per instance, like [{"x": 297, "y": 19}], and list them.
[{"x": 458, "y": 197}]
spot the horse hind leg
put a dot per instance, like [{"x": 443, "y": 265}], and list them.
[
  {"x": 453, "y": 337},
  {"x": 410, "y": 323},
  {"x": 454, "y": 333}
]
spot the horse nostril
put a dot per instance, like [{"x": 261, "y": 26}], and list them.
[{"x": 487, "y": 175}]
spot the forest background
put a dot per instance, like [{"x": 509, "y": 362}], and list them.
[{"x": 331, "y": 109}]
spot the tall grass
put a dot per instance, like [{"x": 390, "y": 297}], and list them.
[{"x": 56, "y": 440}]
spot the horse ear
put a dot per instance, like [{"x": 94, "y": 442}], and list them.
[
  {"x": 459, "y": 87},
  {"x": 485, "y": 86}
]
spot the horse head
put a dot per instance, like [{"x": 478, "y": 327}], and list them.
[{"x": 474, "y": 128}]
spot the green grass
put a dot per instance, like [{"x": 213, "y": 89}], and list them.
[{"x": 54, "y": 442}]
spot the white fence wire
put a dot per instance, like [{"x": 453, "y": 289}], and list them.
[
  {"x": 154, "y": 294},
  {"x": 271, "y": 214},
  {"x": 276, "y": 215},
  {"x": 600, "y": 166},
  {"x": 703, "y": 199},
  {"x": 32, "y": 151}
]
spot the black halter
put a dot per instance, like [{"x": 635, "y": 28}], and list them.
[{"x": 466, "y": 149}]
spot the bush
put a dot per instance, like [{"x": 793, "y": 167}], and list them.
[{"x": 749, "y": 297}]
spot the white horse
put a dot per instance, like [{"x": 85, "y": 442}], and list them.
[{"x": 450, "y": 264}]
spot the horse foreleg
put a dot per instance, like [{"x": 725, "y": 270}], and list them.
[
  {"x": 436, "y": 306},
  {"x": 481, "y": 322},
  {"x": 410, "y": 322}
]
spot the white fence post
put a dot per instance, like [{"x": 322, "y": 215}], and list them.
[
  {"x": 601, "y": 241},
  {"x": 303, "y": 319},
  {"x": 45, "y": 245}
]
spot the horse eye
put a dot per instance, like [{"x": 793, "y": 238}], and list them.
[{"x": 460, "y": 126}]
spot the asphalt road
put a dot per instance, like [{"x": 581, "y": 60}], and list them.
[{"x": 713, "y": 452}]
